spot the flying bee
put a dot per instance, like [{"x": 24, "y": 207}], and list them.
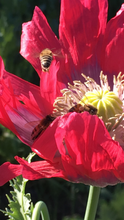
[
  {"x": 46, "y": 57},
  {"x": 45, "y": 122}
]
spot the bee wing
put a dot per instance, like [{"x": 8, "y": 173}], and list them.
[
  {"x": 61, "y": 54},
  {"x": 58, "y": 53},
  {"x": 32, "y": 124},
  {"x": 55, "y": 52}
]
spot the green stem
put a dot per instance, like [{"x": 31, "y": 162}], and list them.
[
  {"x": 40, "y": 208},
  {"x": 24, "y": 181},
  {"x": 92, "y": 203}
]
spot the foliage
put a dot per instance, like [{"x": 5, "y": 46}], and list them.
[
  {"x": 19, "y": 206},
  {"x": 10, "y": 146},
  {"x": 113, "y": 206},
  {"x": 73, "y": 218}
]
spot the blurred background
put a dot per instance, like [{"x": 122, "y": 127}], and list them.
[{"x": 65, "y": 201}]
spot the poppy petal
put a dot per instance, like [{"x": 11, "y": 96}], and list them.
[
  {"x": 84, "y": 148},
  {"x": 88, "y": 153},
  {"x": 36, "y": 36},
  {"x": 39, "y": 169},
  {"x": 113, "y": 46},
  {"x": 20, "y": 103},
  {"x": 77, "y": 30},
  {"x": 9, "y": 171}
]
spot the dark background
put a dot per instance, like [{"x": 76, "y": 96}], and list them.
[{"x": 65, "y": 200}]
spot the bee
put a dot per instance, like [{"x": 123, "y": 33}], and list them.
[
  {"x": 45, "y": 122},
  {"x": 82, "y": 108},
  {"x": 41, "y": 127},
  {"x": 46, "y": 57}
]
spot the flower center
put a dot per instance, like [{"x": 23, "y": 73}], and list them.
[
  {"x": 107, "y": 103},
  {"x": 96, "y": 99}
]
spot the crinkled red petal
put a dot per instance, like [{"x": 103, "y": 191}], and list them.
[
  {"x": 9, "y": 171},
  {"x": 40, "y": 169},
  {"x": 52, "y": 82},
  {"x": 81, "y": 25},
  {"x": 113, "y": 45},
  {"x": 89, "y": 151},
  {"x": 84, "y": 148},
  {"x": 84, "y": 153},
  {"x": 20, "y": 105},
  {"x": 36, "y": 36}
]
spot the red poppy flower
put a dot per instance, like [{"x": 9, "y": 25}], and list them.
[{"x": 76, "y": 146}]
